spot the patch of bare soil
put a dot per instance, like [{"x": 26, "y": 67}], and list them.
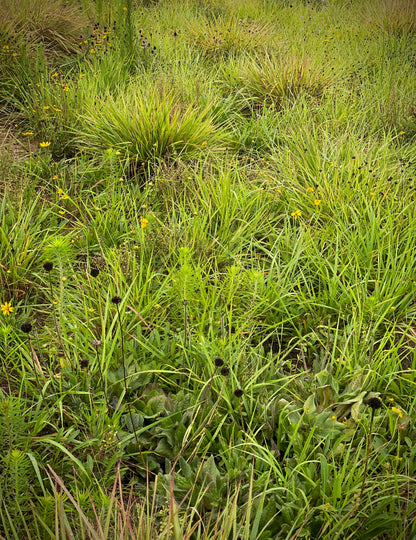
[{"x": 12, "y": 143}]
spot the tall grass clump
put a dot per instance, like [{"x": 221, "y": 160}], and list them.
[
  {"x": 279, "y": 79},
  {"x": 219, "y": 36},
  {"x": 56, "y": 26},
  {"x": 147, "y": 125},
  {"x": 396, "y": 17}
]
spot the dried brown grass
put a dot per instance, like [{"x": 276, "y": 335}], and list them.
[
  {"x": 397, "y": 17},
  {"x": 55, "y": 25}
]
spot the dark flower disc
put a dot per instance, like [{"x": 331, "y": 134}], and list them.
[
  {"x": 219, "y": 362},
  {"x": 26, "y": 327},
  {"x": 375, "y": 403}
]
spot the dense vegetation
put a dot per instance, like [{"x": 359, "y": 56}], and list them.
[{"x": 207, "y": 269}]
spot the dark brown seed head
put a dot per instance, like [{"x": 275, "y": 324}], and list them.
[
  {"x": 26, "y": 327},
  {"x": 238, "y": 393},
  {"x": 375, "y": 403},
  {"x": 218, "y": 362},
  {"x": 116, "y": 300},
  {"x": 225, "y": 371},
  {"x": 48, "y": 266},
  {"x": 94, "y": 272}
]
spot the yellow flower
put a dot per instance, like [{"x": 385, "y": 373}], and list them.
[
  {"x": 60, "y": 192},
  {"x": 317, "y": 202},
  {"x": 62, "y": 212},
  {"x": 27, "y": 133},
  {"x": 204, "y": 143},
  {"x": 92, "y": 51},
  {"x": 6, "y": 308},
  {"x": 44, "y": 144},
  {"x": 46, "y": 107},
  {"x": 55, "y": 74},
  {"x": 296, "y": 214},
  {"x": 310, "y": 190},
  {"x": 143, "y": 222},
  {"x": 397, "y": 411},
  {"x": 81, "y": 75},
  {"x": 402, "y": 132},
  {"x": 66, "y": 89}
]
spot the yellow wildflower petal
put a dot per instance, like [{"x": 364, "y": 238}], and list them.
[{"x": 7, "y": 308}]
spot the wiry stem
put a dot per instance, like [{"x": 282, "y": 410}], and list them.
[
  {"x": 102, "y": 379},
  {"x": 125, "y": 382},
  {"x": 185, "y": 336},
  {"x": 367, "y": 454}
]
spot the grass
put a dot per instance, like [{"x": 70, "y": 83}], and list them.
[{"x": 207, "y": 270}]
